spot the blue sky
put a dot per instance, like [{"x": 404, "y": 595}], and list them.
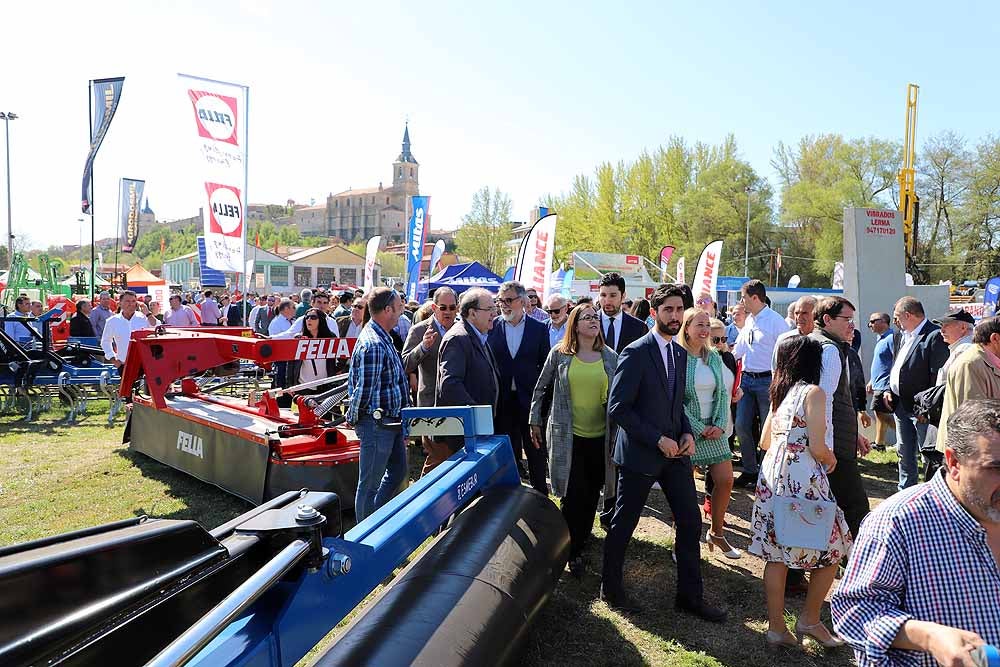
[{"x": 518, "y": 95}]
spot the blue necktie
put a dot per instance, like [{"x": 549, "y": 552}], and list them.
[
  {"x": 670, "y": 372},
  {"x": 611, "y": 333}
]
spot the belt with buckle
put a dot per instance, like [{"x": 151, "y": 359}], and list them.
[{"x": 756, "y": 375}]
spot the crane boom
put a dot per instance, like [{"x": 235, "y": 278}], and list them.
[{"x": 909, "y": 203}]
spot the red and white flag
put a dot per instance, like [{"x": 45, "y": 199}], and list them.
[{"x": 534, "y": 266}]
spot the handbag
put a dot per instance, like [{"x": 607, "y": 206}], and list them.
[{"x": 802, "y": 523}]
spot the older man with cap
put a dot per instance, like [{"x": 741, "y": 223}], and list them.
[
  {"x": 956, "y": 329},
  {"x": 974, "y": 373}
]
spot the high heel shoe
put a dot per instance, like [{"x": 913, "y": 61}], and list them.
[
  {"x": 810, "y": 631},
  {"x": 706, "y": 507},
  {"x": 727, "y": 549},
  {"x": 780, "y": 639}
]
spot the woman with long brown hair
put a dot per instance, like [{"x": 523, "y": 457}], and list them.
[
  {"x": 707, "y": 399},
  {"x": 579, "y": 371},
  {"x": 313, "y": 326}
]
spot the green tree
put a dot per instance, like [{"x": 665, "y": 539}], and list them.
[{"x": 486, "y": 229}]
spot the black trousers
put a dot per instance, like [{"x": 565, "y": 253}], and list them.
[
  {"x": 677, "y": 482},
  {"x": 849, "y": 490},
  {"x": 586, "y": 478},
  {"x": 512, "y": 421}
]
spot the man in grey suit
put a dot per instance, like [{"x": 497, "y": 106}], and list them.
[
  {"x": 420, "y": 356},
  {"x": 467, "y": 372}
]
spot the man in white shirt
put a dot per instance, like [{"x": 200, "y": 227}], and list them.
[
  {"x": 755, "y": 347},
  {"x": 179, "y": 315},
  {"x": 261, "y": 303},
  {"x": 557, "y": 309},
  {"x": 118, "y": 330},
  {"x": 283, "y": 320},
  {"x": 802, "y": 313}
]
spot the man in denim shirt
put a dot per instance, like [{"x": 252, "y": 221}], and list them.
[{"x": 881, "y": 367}]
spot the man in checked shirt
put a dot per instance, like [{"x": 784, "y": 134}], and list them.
[
  {"x": 378, "y": 392},
  {"x": 922, "y": 586}
]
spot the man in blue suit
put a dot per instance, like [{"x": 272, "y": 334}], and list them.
[
  {"x": 654, "y": 444},
  {"x": 520, "y": 345}
]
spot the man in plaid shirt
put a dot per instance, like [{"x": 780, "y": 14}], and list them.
[
  {"x": 923, "y": 584},
  {"x": 378, "y": 392}
]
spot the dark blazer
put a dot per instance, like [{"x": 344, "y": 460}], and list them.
[
  {"x": 80, "y": 326},
  {"x": 234, "y": 314},
  {"x": 632, "y": 329},
  {"x": 919, "y": 371},
  {"x": 424, "y": 364},
  {"x": 525, "y": 367},
  {"x": 642, "y": 404},
  {"x": 466, "y": 375}
]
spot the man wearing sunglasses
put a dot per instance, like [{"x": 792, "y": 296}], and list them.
[
  {"x": 420, "y": 356},
  {"x": 533, "y": 306},
  {"x": 557, "y": 308}
]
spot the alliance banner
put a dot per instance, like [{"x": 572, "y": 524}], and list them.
[
  {"x": 219, "y": 136},
  {"x": 129, "y": 198},
  {"x": 371, "y": 255},
  {"x": 105, "y": 94},
  {"x": 534, "y": 266},
  {"x": 416, "y": 236},
  {"x": 706, "y": 276}
]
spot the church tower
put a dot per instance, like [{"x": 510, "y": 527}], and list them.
[{"x": 405, "y": 170}]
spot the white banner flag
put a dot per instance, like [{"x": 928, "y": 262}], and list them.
[
  {"x": 371, "y": 253},
  {"x": 219, "y": 133},
  {"x": 706, "y": 276},
  {"x": 537, "y": 250},
  {"x": 838, "y": 275}
]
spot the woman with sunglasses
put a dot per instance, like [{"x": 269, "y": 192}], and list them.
[
  {"x": 297, "y": 372},
  {"x": 708, "y": 397},
  {"x": 579, "y": 371}
]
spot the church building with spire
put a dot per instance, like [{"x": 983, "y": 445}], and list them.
[{"x": 358, "y": 214}]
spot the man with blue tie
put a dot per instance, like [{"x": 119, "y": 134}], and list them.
[
  {"x": 654, "y": 444},
  {"x": 520, "y": 346}
]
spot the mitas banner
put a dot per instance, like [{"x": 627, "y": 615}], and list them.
[
  {"x": 706, "y": 276},
  {"x": 534, "y": 265},
  {"x": 416, "y": 235},
  {"x": 218, "y": 129},
  {"x": 129, "y": 198}
]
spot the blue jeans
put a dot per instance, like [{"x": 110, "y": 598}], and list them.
[
  {"x": 381, "y": 468},
  {"x": 756, "y": 402},
  {"x": 910, "y": 435}
]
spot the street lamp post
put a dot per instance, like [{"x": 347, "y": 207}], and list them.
[
  {"x": 7, "y": 117},
  {"x": 746, "y": 257}
]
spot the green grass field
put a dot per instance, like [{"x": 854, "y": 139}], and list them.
[{"x": 56, "y": 477}]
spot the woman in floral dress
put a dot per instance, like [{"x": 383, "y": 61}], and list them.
[{"x": 796, "y": 465}]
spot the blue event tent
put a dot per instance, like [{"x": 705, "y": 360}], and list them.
[{"x": 461, "y": 277}]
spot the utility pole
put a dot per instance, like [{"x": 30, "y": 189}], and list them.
[{"x": 7, "y": 117}]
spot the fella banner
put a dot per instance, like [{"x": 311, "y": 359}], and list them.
[
  {"x": 104, "y": 97},
  {"x": 706, "y": 276},
  {"x": 217, "y": 126},
  {"x": 534, "y": 268},
  {"x": 415, "y": 237},
  {"x": 129, "y": 198},
  {"x": 371, "y": 256}
]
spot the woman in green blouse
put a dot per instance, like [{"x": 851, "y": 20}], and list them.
[
  {"x": 707, "y": 398},
  {"x": 578, "y": 370}
]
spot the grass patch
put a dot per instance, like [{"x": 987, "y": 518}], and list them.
[{"x": 56, "y": 477}]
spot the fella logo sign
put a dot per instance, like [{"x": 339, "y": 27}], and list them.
[
  {"x": 215, "y": 116},
  {"x": 190, "y": 444},
  {"x": 225, "y": 210},
  {"x": 322, "y": 348}
]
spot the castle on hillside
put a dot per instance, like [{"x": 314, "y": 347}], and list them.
[{"x": 359, "y": 214}]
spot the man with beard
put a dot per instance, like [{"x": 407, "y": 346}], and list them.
[
  {"x": 520, "y": 346},
  {"x": 654, "y": 444},
  {"x": 923, "y": 575}
]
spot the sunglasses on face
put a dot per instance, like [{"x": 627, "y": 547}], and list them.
[
  {"x": 554, "y": 311},
  {"x": 718, "y": 339},
  {"x": 447, "y": 309},
  {"x": 533, "y": 297},
  {"x": 312, "y": 317},
  {"x": 358, "y": 306}
]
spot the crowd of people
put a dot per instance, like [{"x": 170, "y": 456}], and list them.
[{"x": 613, "y": 397}]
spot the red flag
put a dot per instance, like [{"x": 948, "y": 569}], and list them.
[
  {"x": 258, "y": 238},
  {"x": 163, "y": 246}
]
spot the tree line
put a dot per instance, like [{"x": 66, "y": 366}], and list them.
[{"x": 689, "y": 194}]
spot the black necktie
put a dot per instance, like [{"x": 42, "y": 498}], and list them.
[{"x": 611, "y": 333}]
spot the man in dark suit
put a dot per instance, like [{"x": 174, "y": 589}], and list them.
[
  {"x": 620, "y": 330},
  {"x": 919, "y": 355},
  {"x": 654, "y": 444},
  {"x": 466, "y": 370},
  {"x": 520, "y": 346},
  {"x": 420, "y": 356}
]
